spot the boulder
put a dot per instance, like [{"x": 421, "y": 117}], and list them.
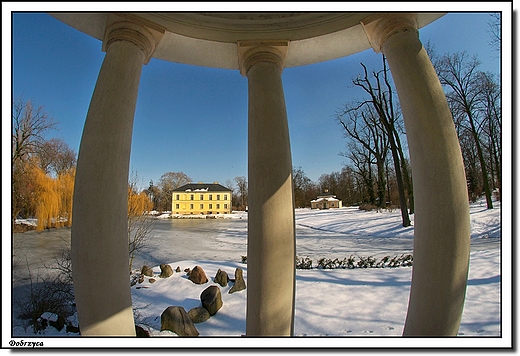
[
  {"x": 151, "y": 280},
  {"x": 141, "y": 332},
  {"x": 59, "y": 323},
  {"x": 175, "y": 318},
  {"x": 178, "y": 269},
  {"x": 72, "y": 329},
  {"x": 166, "y": 271},
  {"x": 240, "y": 284},
  {"x": 211, "y": 299},
  {"x": 198, "y": 314},
  {"x": 50, "y": 319},
  {"x": 198, "y": 276},
  {"x": 72, "y": 323},
  {"x": 221, "y": 278},
  {"x": 147, "y": 271}
]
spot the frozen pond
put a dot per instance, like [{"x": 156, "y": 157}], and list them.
[{"x": 226, "y": 240}]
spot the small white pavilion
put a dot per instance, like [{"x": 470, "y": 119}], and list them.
[{"x": 326, "y": 200}]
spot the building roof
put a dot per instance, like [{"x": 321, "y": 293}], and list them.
[
  {"x": 324, "y": 199},
  {"x": 202, "y": 187}
]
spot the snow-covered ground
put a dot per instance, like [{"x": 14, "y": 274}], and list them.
[{"x": 361, "y": 307}]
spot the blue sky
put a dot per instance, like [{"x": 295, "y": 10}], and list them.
[{"x": 194, "y": 119}]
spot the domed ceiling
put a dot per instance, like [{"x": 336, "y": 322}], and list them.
[{"x": 210, "y": 39}]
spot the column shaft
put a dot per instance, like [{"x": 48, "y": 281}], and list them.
[
  {"x": 442, "y": 229},
  {"x": 271, "y": 233},
  {"x": 99, "y": 229}
]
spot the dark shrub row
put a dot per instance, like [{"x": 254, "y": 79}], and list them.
[{"x": 353, "y": 262}]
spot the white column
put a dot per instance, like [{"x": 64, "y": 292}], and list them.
[
  {"x": 99, "y": 228},
  {"x": 442, "y": 228},
  {"x": 271, "y": 234}
]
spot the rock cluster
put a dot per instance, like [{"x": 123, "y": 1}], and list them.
[
  {"x": 175, "y": 318},
  {"x": 58, "y": 322}
]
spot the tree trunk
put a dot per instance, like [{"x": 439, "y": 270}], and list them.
[
  {"x": 370, "y": 184},
  {"x": 381, "y": 183},
  {"x": 485, "y": 178},
  {"x": 400, "y": 185},
  {"x": 407, "y": 177}
]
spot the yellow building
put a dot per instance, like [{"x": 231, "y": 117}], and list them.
[{"x": 201, "y": 198}]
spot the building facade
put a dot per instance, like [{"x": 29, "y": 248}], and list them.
[
  {"x": 201, "y": 199},
  {"x": 326, "y": 200}
]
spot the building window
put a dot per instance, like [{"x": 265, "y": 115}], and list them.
[
  {"x": 225, "y": 206},
  {"x": 191, "y": 196},
  {"x": 210, "y": 197},
  {"x": 225, "y": 196},
  {"x": 177, "y": 206},
  {"x": 201, "y": 206},
  {"x": 218, "y": 206},
  {"x": 202, "y": 197},
  {"x": 218, "y": 196},
  {"x": 177, "y": 197},
  {"x": 191, "y": 206},
  {"x": 211, "y": 205}
]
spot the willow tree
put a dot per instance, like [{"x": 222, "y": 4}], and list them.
[
  {"x": 47, "y": 198},
  {"x": 52, "y": 198},
  {"x": 65, "y": 181}
]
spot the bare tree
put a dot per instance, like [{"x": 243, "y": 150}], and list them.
[
  {"x": 494, "y": 30},
  {"x": 241, "y": 192},
  {"x": 491, "y": 105},
  {"x": 362, "y": 161},
  {"x": 460, "y": 76},
  {"x": 29, "y": 125},
  {"x": 229, "y": 184},
  {"x": 363, "y": 126},
  {"x": 348, "y": 187},
  {"x": 140, "y": 223},
  {"x": 304, "y": 189},
  {"x": 167, "y": 183},
  {"x": 55, "y": 156},
  {"x": 381, "y": 99}
]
